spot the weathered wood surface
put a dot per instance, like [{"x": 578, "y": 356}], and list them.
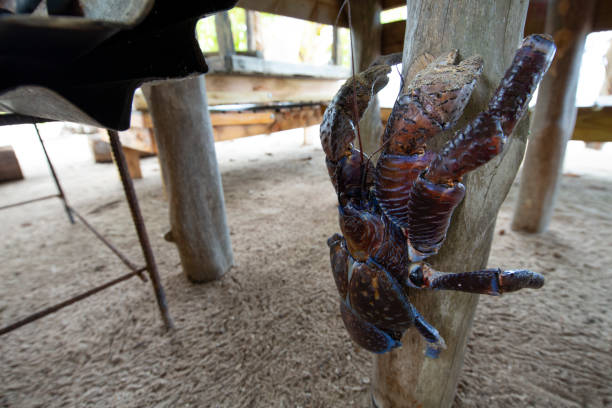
[
  {"x": 251, "y": 65},
  {"x": 593, "y": 124},
  {"x": 405, "y": 378},
  {"x": 186, "y": 148},
  {"x": 554, "y": 117},
  {"x": 319, "y": 11},
  {"x": 231, "y": 89},
  {"x": 229, "y": 126},
  {"x": 9, "y": 165},
  {"x": 392, "y": 38},
  {"x": 367, "y": 37}
]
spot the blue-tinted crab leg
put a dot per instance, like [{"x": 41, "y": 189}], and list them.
[
  {"x": 487, "y": 281},
  {"x": 366, "y": 334},
  {"x": 430, "y": 334},
  {"x": 437, "y": 191}
]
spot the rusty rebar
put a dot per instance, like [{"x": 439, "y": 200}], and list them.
[
  {"x": 61, "y": 305},
  {"x": 110, "y": 246},
  {"x": 33, "y": 200},
  {"x": 55, "y": 178},
  {"x": 143, "y": 237}
]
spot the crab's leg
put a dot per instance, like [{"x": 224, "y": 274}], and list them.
[
  {"x": 487, "y": 281},
  {"x": 366, "y": 334},
  {"x": 437, "y": 191},
  {"x": 433, "y": 101}
]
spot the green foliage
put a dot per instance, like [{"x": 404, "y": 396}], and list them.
[{"x": 207, "y": 36}]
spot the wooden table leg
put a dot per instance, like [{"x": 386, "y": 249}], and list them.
[{"x": 185, "y": 143}]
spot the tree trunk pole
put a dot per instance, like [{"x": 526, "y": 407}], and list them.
[
  {"x": 405, "y": 377},
  {"x": 569, "y": 22},
  {"x": 367, "y": 37},
  {"x": 186, "y": 149}
]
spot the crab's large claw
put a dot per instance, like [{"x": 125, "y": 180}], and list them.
[
  {"x": 338, "y": 126},
  {"x": 439, "y": 188},
  {"x": 366, "y": 334},
  {"x": 433, "y": 101}
]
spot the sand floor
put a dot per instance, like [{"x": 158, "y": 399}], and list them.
[{"x": 269, "y": 333}]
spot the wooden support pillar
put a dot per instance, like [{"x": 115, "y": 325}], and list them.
[
  {"x": 569, "y": 22},
  {"x": 405, "y": 377},
  {"x": 186, "y": 149},
  {"x": 366, "y": 34},
  {"x": 225, "y": 38}
]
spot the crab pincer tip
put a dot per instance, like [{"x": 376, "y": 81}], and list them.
[{"x": 541, "y": 43}]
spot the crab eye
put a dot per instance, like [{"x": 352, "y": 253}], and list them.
[{"x": 416, "y": 274}]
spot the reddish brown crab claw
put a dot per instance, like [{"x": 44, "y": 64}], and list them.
[
  {"x": 338, "y": 126},
  {"x": 398, "y": 214}
]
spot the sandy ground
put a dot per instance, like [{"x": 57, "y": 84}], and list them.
[{"x": 269, "y": 333}]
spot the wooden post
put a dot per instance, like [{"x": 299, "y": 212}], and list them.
[
  {"x": 405, "y": 377},
  {"x": 555, "y": 115},
  {"x": 225, "y": 39},
  {"x": 366, "y": 34},
  {"x": 186, "y": 149}
]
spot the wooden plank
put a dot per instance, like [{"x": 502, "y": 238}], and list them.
[
  {"x": 391, "y": 4},
  {"x": 248, "y": 65},
  {"x": 319, "y": 11},
  {"x": 9, "y": 165},
  {"x": 393, "y": 37},
  {"x": 284, "y": 120},
  {"x": 593, "y": 125},
  {"x": 231, "y": 89},
  {"x": 242, "y": 118},
  {"x": 132, "y": 157},
  {"x": 135, "y": 138},
  {"x": 602, "y": 20}
]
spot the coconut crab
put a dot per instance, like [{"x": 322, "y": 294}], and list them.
[{"x": 396, "y": 214}]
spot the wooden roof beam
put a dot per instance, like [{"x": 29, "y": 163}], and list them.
[{"x": 319, "y": 11}]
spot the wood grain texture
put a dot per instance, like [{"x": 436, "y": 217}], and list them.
[
  {"x": 555, "y": 115},
  {"x": 230, "y": 89},
  {"x": 319, "y": 11},
  {"x": 392, "y": 39},
  {"x": 405, "y": 378},
  {"x": 186, "y": 148}
]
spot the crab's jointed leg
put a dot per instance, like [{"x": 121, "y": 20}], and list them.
[{"x": 493, "y": 282}]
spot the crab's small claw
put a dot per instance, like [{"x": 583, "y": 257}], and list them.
[{"x": 339, "y": 121}]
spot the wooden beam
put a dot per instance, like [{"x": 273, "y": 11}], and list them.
[
  {"x": 248, "y": 65},
  {"x": 405, "y": 377},
  {"x": 392, "y": 40},
  {"x": 187, "y": 156},
  {"x": 602, "y": 20},
  {"x": 132, "y": 157},
  {"x": 391, "y": 4},
  {"x": 554, "y": 117},
  {"x": 319, "y": 11},
  {"x": 593, "y": 124},
  {"x": 284, "y": 120},
  {"x": 232, "y": 89}
]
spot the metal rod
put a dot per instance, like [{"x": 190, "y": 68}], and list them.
[
  {"x": 55, "y": 178},
  {"x": 132, "y": 199},
  {"x": 4, "y": 207},
  {"x": 56, "y": 307},
  {"x": 110, "y": 246}
]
